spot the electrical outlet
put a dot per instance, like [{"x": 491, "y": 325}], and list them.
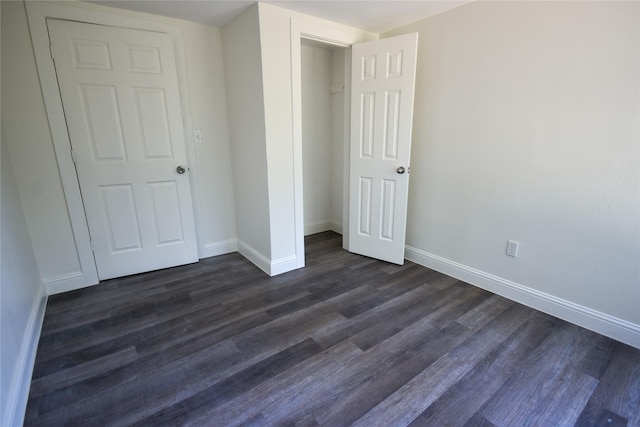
[
  {"x": 512, "y": 248},
  {"x": 197, "y": 136}
]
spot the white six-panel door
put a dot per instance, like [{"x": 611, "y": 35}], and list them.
[
  {"x": 120, "y": 96},
  {"x": 383, "y": 81}
]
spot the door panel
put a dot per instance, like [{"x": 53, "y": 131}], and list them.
[
  {"x": 166, "y": 212},
  {"x": 90, "y": 54},
  {"x": 388, "y": 202},
  {"x": 120, "y": 96},
  {"x": 122, "y": 217},
  {"x": 144, "y": 59},
  {"x": 152, "y": 111},
  {"x": 366, "y": 125},
  {"x": 102, "y": 117},
  {"x": 364, "y": 207},
  {"x": 392, "y": 125},
  {"x": 383, "y": 80}
]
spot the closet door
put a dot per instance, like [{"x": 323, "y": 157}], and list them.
[
  {"x": 382, "y": 85},
  {"x": 120, "y": 96}
]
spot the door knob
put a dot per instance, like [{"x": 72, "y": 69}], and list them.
[
  {"x": 400, "y": 170},
  {"x": 180, "y": 170}
]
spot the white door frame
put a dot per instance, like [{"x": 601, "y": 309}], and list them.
[
  {"x": 37, "y": 13},
  {"x": 301, "y": 29}
]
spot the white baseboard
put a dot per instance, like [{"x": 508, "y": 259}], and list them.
[
  {"x": 18, "y": 392},
  {"x": 335, "y": 227},
  {"x": 260, "y": 261},
  {"x": 316, "y": 227},
  {"x": 272, "y": 268},
  {"x": 67, "y": 282},
  {"x": 219, "y": 248},
  {"x": 610, "y": 326},
  {"x": 77, "y": 280},
  {"x": 321, "y": 226},
  {"x": 283, "y": 265}
]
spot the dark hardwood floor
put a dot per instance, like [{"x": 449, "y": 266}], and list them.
[{"x": 346, "y": 340}]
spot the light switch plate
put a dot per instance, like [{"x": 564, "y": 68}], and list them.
[{"x": 197, "y": 136}]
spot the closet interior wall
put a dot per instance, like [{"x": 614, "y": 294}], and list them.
[{"x": 323, "y": 136}]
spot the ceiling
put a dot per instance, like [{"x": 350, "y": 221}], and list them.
[{"x": 372, "y": 15}]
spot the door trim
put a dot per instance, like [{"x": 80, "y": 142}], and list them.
[
  {"x": 301, "y": 29},
  {"x": 38, "y": 13}
]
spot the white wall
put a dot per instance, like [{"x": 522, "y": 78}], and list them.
[
  {"x": 258, "y": 63},
  {"x": 245, "y": 103},
  {"x": 216, "y": 227},
  {"x": 34, "y": 163},
  {"x": 339, "y": 146},
  {"x": 323, "y": 132},
  {"x": 527, "y": 128},
  {"x": 31, "y": 147},
  {"x": 276, "y": 57},
  {"x": 22, "y": 298},
  {"x": 275, "y": 45},
  {"x": 316, "y": 137}
]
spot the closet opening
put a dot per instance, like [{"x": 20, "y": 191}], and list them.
[{"x": 325, "y": 136}]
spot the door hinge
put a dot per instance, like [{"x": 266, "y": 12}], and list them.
[
  {"x": 91, "y": 246},
  {"x": 73, "y": 156},
  {"x": 51, "y": 52}
]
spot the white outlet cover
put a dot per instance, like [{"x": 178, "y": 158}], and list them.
[
  {"x": 512, "y": 248},
  {"x": 197, "y": 136}
]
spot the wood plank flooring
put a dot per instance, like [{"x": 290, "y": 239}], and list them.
[{"x": 345, "y": 341}]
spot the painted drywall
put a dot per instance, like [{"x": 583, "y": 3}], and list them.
[
  {"x": 338, "y": 143},
  {"x": 527, "y": 127},
  {"x": 21, "y": 296},
  {"x": 245, "y": 103},
  {"x": 208, "y": 104},
  {"x": 275, "y": 43},
  {"x": 31, "y": 149},
  {"x": 316, "y": 137},
  {"x": 323, "y": 133},
  {"x": 258, "y": 67},
  {"x": 34, "y": 162}
]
